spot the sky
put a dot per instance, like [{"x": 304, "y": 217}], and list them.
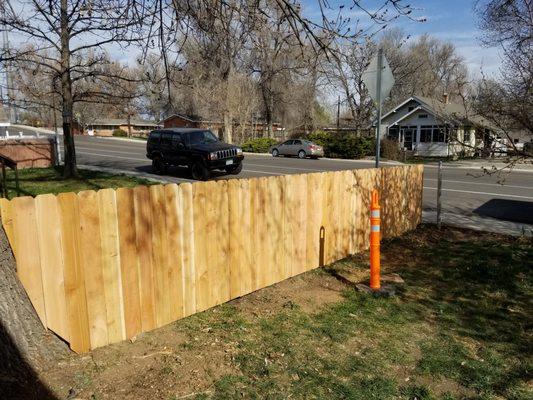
[{"x": 449, "y": 20}]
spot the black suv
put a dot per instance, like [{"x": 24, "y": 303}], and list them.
[{"x": 198, "y": 149}]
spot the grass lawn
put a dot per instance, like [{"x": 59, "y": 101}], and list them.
[
  {"x": 34, "y": 181},
  {"x": 459, "y": 328}
]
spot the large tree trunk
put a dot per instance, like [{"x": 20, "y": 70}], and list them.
[
  {"x": 25, "y": 345},
  {"x": 66, "y": 91}
]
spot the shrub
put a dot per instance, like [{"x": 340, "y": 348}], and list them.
[
  {"x": 390, "y": 149},
  {"x": 120, "y": 133},
  {"x": 343, "y": 145},
  {"x": 259, "y": 145}
]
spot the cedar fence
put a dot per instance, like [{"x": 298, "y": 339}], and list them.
[{"x": 101, "y": 267}]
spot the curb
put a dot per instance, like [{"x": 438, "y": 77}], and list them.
[{"x": 126, "y": 172}]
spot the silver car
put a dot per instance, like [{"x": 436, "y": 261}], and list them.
[{"x": 297, "y": 147}]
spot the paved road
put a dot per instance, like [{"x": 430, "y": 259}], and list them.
[{"x": 465, "y": 191}]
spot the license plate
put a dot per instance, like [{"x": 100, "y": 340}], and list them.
[{"x": 229, "y": 162}]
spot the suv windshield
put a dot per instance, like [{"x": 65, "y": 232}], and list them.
[{"x": 200, "y": 137}]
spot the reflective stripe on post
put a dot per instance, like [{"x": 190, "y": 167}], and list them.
[{"x": 375, "y": 222}]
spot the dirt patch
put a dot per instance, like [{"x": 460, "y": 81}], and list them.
[{"x": 167, "y": 362}]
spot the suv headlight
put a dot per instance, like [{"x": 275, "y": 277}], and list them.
[
  {"x": 213, "y": 156},
  {"x": 239, "y": 151}
]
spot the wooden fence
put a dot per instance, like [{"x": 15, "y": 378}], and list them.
[{"x": 101, "y": 267}]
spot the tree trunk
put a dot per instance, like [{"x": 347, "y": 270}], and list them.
[
  {"x": 268, "y": 101},
  {"x": 66, "y": 91},
  {"x": 129, "y": 123},
  {"x": 228, "y": 128},
  {"x": 25, "y": 345}
]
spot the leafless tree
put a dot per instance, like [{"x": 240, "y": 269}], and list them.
[
  {"x": 68, "y": 41},
  {"x": 508, "y": 102}
]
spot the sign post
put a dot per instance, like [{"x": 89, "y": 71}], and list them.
[{"x": 379, "y": 80}]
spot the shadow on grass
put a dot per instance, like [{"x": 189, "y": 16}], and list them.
[{"x": 474, "y": 290}]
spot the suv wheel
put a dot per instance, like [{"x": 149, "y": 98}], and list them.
[
  {"x": 275, "y": 152},
  {"x": 199, "y": 171},
  {"x": 159, "y": 166},
  {"x": 301, "y": 154},
  {"x": 234, "y": 169}
]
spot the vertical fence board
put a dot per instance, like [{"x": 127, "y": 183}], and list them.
[
  {"x": 29, "y": 262},
  {"x": 275, "y": 221},
  {"x": 174, "y": 230},
  {"x": 288, "y": 228},
  {"x": 107, "y": 204},
  {"x": 49, "y": 233},
  {"x": 6, "y": 212},
  {"x": 189, "y": 275},
  {"x": 128, "y": 262},
  {"x": 76, "y": 301},
  {"x": 91, "y": 261},
  {"x": 200, "y": 246},
  {"x": 160, "y": 247},
  {"x": 141, "y": 243}
]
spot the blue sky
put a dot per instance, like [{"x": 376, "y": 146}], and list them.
[{"x": 450, "y": 20}]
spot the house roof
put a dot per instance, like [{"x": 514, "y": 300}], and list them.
[
  {"x": 450, "y": 111},
  {"x": 121, "y": 121},
  {"x": 182, "y": 116}
]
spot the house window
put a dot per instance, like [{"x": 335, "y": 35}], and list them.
[
  {"x": 466, "y": 137},
  {"x": 422, "y": 116},
  {"x": 425, "y": 133},
  {"x": 439, "y": 134}
]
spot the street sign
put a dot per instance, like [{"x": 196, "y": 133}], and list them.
[
  {"x": 378, "y": 80},
  {"x": 370, "y": 78}
]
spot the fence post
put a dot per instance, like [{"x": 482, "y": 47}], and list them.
[{"x": 439, "y": 196}]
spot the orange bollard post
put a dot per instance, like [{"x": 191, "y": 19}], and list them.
[{"x": 375, "y": 222}]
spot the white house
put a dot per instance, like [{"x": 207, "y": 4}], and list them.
[{"x": 439, "y": 128}]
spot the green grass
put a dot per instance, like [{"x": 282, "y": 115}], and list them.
[
  {"x": 460, "y": 328},
  {"x": 35, "y": 181}
]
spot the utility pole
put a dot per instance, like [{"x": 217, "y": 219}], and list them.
[
  {"x": 378, "y": 100},
  {"x": 338, "y": 112}
]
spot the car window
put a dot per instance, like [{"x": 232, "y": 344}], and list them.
[
  {"x": 200, "y": 137},
  {"x": 297, "y": 142},
  {"x": 166, "y": 137},
  {"x": 155, "y": 135},
  {"x": 288, "y": 142},
  {"x": 176, "y": 138}
]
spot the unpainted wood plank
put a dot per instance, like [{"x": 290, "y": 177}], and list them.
[
  {"x": 91, "y": 261},
  {"x": 221, "y": 277},
  {"x": 174, "y": 227},
  {"x": 6, "y": 212},
  {"x": 247, "y": 263},
  {"x": 189, "y": 274},
  {"x": 29, "y": 260},
  {"x": 160, "y": 248},
  {"x": 143, "y": 246},
  {"x": 112, "y": 274},
  {"x": 314, "y": 220},
  {"x": 289, "y": 226},
  {"x": 236, "y": 239},
  {"x": 76, "y": 301},
  {"x": 52, "y": 265},
  {"x": 199, "y": 191},
  {"x": 275, "y": 229},
  {"x": 129, "y": 259}
]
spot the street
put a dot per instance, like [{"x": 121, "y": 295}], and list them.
[{"x": 465, "y": 191}]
